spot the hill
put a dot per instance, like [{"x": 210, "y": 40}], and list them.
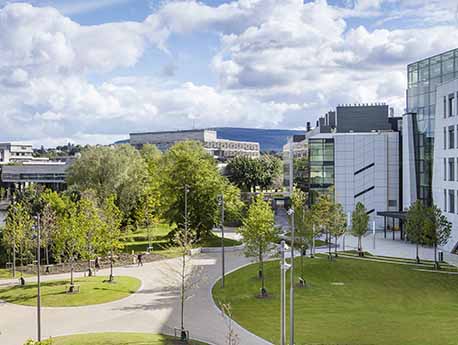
[{"x": 269, "y": 139}]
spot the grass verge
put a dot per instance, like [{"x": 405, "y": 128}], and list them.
[
  {"x": 93, "y": 290},
  {"x": 119, "y": 339}
]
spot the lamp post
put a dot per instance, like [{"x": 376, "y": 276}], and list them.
[
  {"x": 221, "y": 204},
  {"x": 291, "y": 213},
  {"x": 38, "y": 228},
  {"x": 283, "y": 268}
]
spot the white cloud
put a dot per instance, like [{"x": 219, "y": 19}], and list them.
[{"x": 279, "y": 63}]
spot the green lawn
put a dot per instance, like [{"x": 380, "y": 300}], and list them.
[
  {"x": 6, "y": 274},
  {"x": 138, "y": 241},
  {"x": 351, "y": 302},
  {"x": 93, "y": 290},
  {"x": 119, "y": 339}
]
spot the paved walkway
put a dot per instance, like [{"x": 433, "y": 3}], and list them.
[{"x": 154, "y": 308}]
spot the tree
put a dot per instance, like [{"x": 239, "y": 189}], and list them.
[
  {"x": 48, "y": 222},
  {"x": 184, "y": 240},
  {"x": 111, "y": 231},
  {"x": 259, "y": 233},
  {"x": 188, "y": 164},
  {"x": 415, "y": 224},
  {"x": 17, "y": 232},
  {"x": 68, "y": 242},
  {"x": 360, "y": 221},
  {"x": 120, "y": 171},
  {"x": 271, "y": 170},
  {"x": 89, "y": 216},
  {"x": 301, "y": 173},
  {"x": 302, "y": 224},
  {"x": 338, "y": 224},
  {"x": 244, "y": 172},
  {"x": 437, "y": 229},
  {"x": 322, "y": 211}
]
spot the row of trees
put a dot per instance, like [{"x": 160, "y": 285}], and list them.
[{"x": 71, "y": 227}]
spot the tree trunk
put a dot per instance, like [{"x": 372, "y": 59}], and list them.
[
  {"x": 14, "y": 262},
  {"x": 418, "y": 257},
  {"x": 436, "y": 264},
  {"x": 335, "y": 249},
  {"x": 111, "y": 265},
  {"x": 328, "y": 238},
  {"x": 302, "y": 264},
  {"x": 312, "y": 254},
  {"x": 47, "y": 254},
  {"x": 182, "y": 296},
  {"x": 71, "y": 275}
]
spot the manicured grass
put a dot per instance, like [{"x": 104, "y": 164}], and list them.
[
  {"x": 93, "y": 290},
  {"x": 119, "y": 339},
  {"x": 138, "y": 241},
  {"x": 350, "y": 302},
  {"x": 6, "y": 274},
  {"x": 215, "y": 241}
]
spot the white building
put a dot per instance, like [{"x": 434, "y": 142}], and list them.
[
  {"x": 445, "y": 177},
  {"x": 221, "y": 149},
  {"x": 362, "y": 167},
  {"x": 15, "y": 152}
]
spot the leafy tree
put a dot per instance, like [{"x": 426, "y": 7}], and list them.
[
  {"x": 360, "y": 222},
  {"x": 271, "y": 171},
  {"x": 89, "y": 216},
  {"x": 321, "y": 212},
  {"x": 437, "y": 229},
  {"x": 48, "y": 223},
  {"x": 111, "y": 231},
  {"x": 415, "y": 223},
  {"x": 68, "y": 242},
  {"x": 244, "y": 172},
  {"x": 302, "y": 224},
  {"x": 120, "y": 171},
  {"x": 17, "y": 232},
  {"x": 259, "y": 233},
  {"x": 338, "y": 223},
  {"x": 188, "y": 164},
  {"x": 248, "y": 173}
]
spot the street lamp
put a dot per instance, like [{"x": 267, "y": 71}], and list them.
[
  {"x": 221, "y": 204},
  {"x": 291, "y": 213},
  {"x": 283, "y": 268},
  {"x": 37, "y": 227}
]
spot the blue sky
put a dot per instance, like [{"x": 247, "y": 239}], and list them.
[{"x": 93, "y": 71}]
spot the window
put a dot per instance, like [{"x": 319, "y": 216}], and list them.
[
  {"x": 451, "y": 169},
  {"x": 451, "y": 102},
  {"x": 445, "y": 169},
  {"x": 392, "y": 203},
  {"x": 445, "y": 107},
  {"x": 451, "y": 137},
  {"x": 445, "y": 138},
  {"x": 451, "y": 203},
  {"x": 445, "y": 200}
]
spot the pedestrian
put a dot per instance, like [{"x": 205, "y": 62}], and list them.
[{"x": 140, "y": 259}]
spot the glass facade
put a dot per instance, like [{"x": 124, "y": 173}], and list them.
[
  {"x": 321, "y": 166},
  {"x": 423, "y": 77}
]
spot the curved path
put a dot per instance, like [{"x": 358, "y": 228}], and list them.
[{"x": 154, "y": 308}]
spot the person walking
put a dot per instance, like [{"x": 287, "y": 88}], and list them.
[{"x": 140, "y": 260}]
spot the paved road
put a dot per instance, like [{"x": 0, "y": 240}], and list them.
[{"x": 154, "y": 308}]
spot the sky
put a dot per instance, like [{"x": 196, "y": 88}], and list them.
[{"x": 91, "y": 72}]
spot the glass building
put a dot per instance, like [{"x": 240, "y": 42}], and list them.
[
  {"x": 423, "y": 78},
  {"x": 321, "y": 166}
]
